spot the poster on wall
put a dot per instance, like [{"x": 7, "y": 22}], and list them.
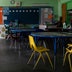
[{"x": 5, "y": 11}]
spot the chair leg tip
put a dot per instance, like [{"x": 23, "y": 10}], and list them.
[
  {"x": 63, "y": 64},
  {"x": 33, "y": 68},
  {"x": 28, "y": 63}
]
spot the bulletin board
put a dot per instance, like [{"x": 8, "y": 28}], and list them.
[
  {"x": 24, "y": 15},
  {"x": 28, "y": 15}
]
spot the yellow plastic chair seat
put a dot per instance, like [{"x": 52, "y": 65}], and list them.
[
  {"x": 70, "y": 45},
  {"x": 42, "y": 49}
]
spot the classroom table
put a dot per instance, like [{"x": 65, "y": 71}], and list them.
[
  {"x": 15, "y": 30},
  {"x": 22, "y": 33},
  {"x": 55, "y": 36},
  {"x": 58, "y": 29}
]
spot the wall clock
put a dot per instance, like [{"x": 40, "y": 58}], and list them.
[{"x": 12, "y": 1}]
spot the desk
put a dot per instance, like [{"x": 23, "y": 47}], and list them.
[
  {"x": 15, "y": 30},
  {"x": 22, "y": 33},
  {"x": 58, "y": 29},
  {"x": 53, "y": 35}
]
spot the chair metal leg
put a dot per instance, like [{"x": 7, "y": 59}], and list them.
[
  {"x": 43, "y": 58},
  {"x": 15, "y": 44},
  {"x": 49, "y": 59},
  {"x": 31, "y": 57},
  {"x": 8, "y": 37},
  {"x": 70, "y": 62},
  {"x": 44, "y": 44},
  {"x": 11, "y": 44},
  {"x": 65, "y": 57},
  {"x": 19, "y": 46},
  {"x": 19, "y": 51},
  {"x": 37, "y": 62},
  {"x": 54, "y": 62}
]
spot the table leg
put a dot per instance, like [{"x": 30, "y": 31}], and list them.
[
  {"x": 54, "y": 53},
  {"x": 63, "y": 42},
  {"x": 54, "y": 62}
]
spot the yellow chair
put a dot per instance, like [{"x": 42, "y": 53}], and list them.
[
  {"x": 68, "y": 52},
  {"x": 38, "y": 49}
]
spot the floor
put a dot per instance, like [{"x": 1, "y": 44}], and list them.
[{"x": 14, "y": 60}]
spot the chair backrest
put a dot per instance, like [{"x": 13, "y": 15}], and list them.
[{"x": 32, "y": 43}]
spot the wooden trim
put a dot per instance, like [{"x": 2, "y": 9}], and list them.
[
  {"x": 1, "y": 15},
  {"x": 63, "y": 12}
]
